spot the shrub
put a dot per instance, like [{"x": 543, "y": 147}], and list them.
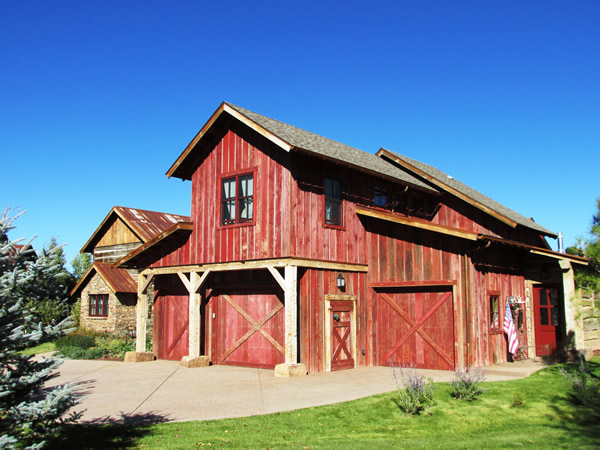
[
  {"x": 586, "y": 389},
  {"x": 75, "y": 340},
  {"x": 466, "y": 383},
  {"x": 74, "y": 352},
  {"x": 415, "y": 393},
  {"x": 76, "y": 312}
]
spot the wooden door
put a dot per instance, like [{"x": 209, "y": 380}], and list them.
[
  {"x": 342, "y": 342},
  {"x": 415, "y": 327},
  {"x": 547, "y": 319},
  {"x": 248, "y": 329},
  {"x": 170, "y": 328}
]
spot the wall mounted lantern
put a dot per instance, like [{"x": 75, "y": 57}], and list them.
[{"x": 341, "y": 282}]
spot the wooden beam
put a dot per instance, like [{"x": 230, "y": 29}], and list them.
[
  {"x": 141, "y": 313},
  {"x": 415, "y": 223},
  {"x": 260, "y": 264},
  {"x": 256, "y": 127},
  {"x": 291, "y": 314},
  {"x": 146, "y": 283},
  {"x": 392, "y": 284},
  {"x": 277, "y": 277}
]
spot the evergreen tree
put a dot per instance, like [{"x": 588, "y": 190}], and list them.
[
  {"x": 588, "y": 278},
  {"x": 81, "y": 263},
  {"x": 28, "y": 414}
]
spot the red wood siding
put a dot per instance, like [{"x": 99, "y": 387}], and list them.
[
  {"x": 314, "y": 285},
  {"x": 239, "y": 150}
]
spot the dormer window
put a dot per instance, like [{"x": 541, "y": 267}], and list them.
[
  {"x": 333, "y": 202},
  {"x": 237, "y": 199}
]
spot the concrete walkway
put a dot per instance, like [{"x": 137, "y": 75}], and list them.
[{"x": 160, "y": 391}]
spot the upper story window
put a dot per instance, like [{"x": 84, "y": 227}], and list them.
[
  {"x": 98, "y": 305},
  {"x": 333, "y": 202},
  {"x": 237, "y": 199},
  {"x": 381, "y": 197}
]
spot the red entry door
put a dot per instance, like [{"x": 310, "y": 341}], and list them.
[
  {"x": 341, "y": 335},
  {"x": 547, "y": 319}
]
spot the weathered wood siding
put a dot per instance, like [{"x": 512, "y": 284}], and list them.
[
  {"x": 118, "y": 233},
  {"x": 313, "y": 286},
  {"x": 238, "y": 151}
]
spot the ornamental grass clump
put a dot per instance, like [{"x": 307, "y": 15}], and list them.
[
  {"x": 586, "y": 387},
  {"x": 415, "y": 392},
  {"x": 466, "y": 383}
]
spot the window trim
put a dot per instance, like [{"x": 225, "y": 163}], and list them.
[
  {"x": 93, "y": 311},
  {"x": 339, "y": 226},
  {"x": 237, "y": 175},
  {"x": 490, "y": 296}
]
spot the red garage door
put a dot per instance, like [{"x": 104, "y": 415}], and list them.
[
  {"x": 170, "y": 331},
  {"x": 415, "y": 327},
  {"x": 247, "y": 329}
]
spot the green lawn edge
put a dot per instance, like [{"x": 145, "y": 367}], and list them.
[{"x": 537, "y": 412}]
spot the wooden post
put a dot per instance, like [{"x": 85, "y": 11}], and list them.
[
  {"x": 291, "y": 315},
  {"x": 193, "y": 285},
  {"x": 289, "y": 284},
  {"x": 194, "y": 315},
  {"x": 141, "y": 311},
  {"x": 141, "y": 319}
]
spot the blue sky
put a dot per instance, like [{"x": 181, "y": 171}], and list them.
[{"x": 98, "y": 99}]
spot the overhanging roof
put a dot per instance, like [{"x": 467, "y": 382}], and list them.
[
  {"x": 464, "y": 192},
  {"x": 118, "y": 280},
  {"x": 463, "y": 234},
  {"x": 144, "y": 224},
  {"x": 289, "y": 138}
]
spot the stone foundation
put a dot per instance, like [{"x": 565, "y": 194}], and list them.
[{"x": 290, "y": 370}]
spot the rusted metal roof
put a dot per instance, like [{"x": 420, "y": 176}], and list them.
[
  {"x": 118, "y": 280},
  {"x": 144, "y": 224}
]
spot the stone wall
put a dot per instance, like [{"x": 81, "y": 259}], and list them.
[
  {"x": 121, "y": 308},
  {"x": 590, "y": 316}
]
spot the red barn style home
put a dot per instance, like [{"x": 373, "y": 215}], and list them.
[{"x": 306, "y": 255}]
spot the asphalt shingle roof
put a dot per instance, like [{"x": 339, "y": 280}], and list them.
[
  {"x": 331, "y": 149},
  {"x": 473, "y": 194}
]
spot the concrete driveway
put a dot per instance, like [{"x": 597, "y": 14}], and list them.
[{"x": 164, "y": 391}]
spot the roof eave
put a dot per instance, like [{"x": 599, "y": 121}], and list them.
[{"x": 174, "y": 170}]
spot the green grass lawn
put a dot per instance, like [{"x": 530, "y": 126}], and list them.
[
  {"x": 532, "y": 412},
  {"x": 42, "y": 348}
]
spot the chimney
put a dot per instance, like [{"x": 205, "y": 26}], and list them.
[{"x": 561, "y": 247}]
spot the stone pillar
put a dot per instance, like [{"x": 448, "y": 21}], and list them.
[{"x": 572, "y": 323}]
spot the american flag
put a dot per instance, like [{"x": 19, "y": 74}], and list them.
[{"x": 509, "y": 329}]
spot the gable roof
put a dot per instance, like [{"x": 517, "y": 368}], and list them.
[
  {"x": 291, "y": 138},
  {"x": 461, "y": 190},
  {"x": 144, "y": 224},
  {"x": 118, "y": 280},
  {"x": 161, "y": 242}
]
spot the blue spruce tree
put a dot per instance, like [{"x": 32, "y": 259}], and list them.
[{"x": 28, "y": 414}]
